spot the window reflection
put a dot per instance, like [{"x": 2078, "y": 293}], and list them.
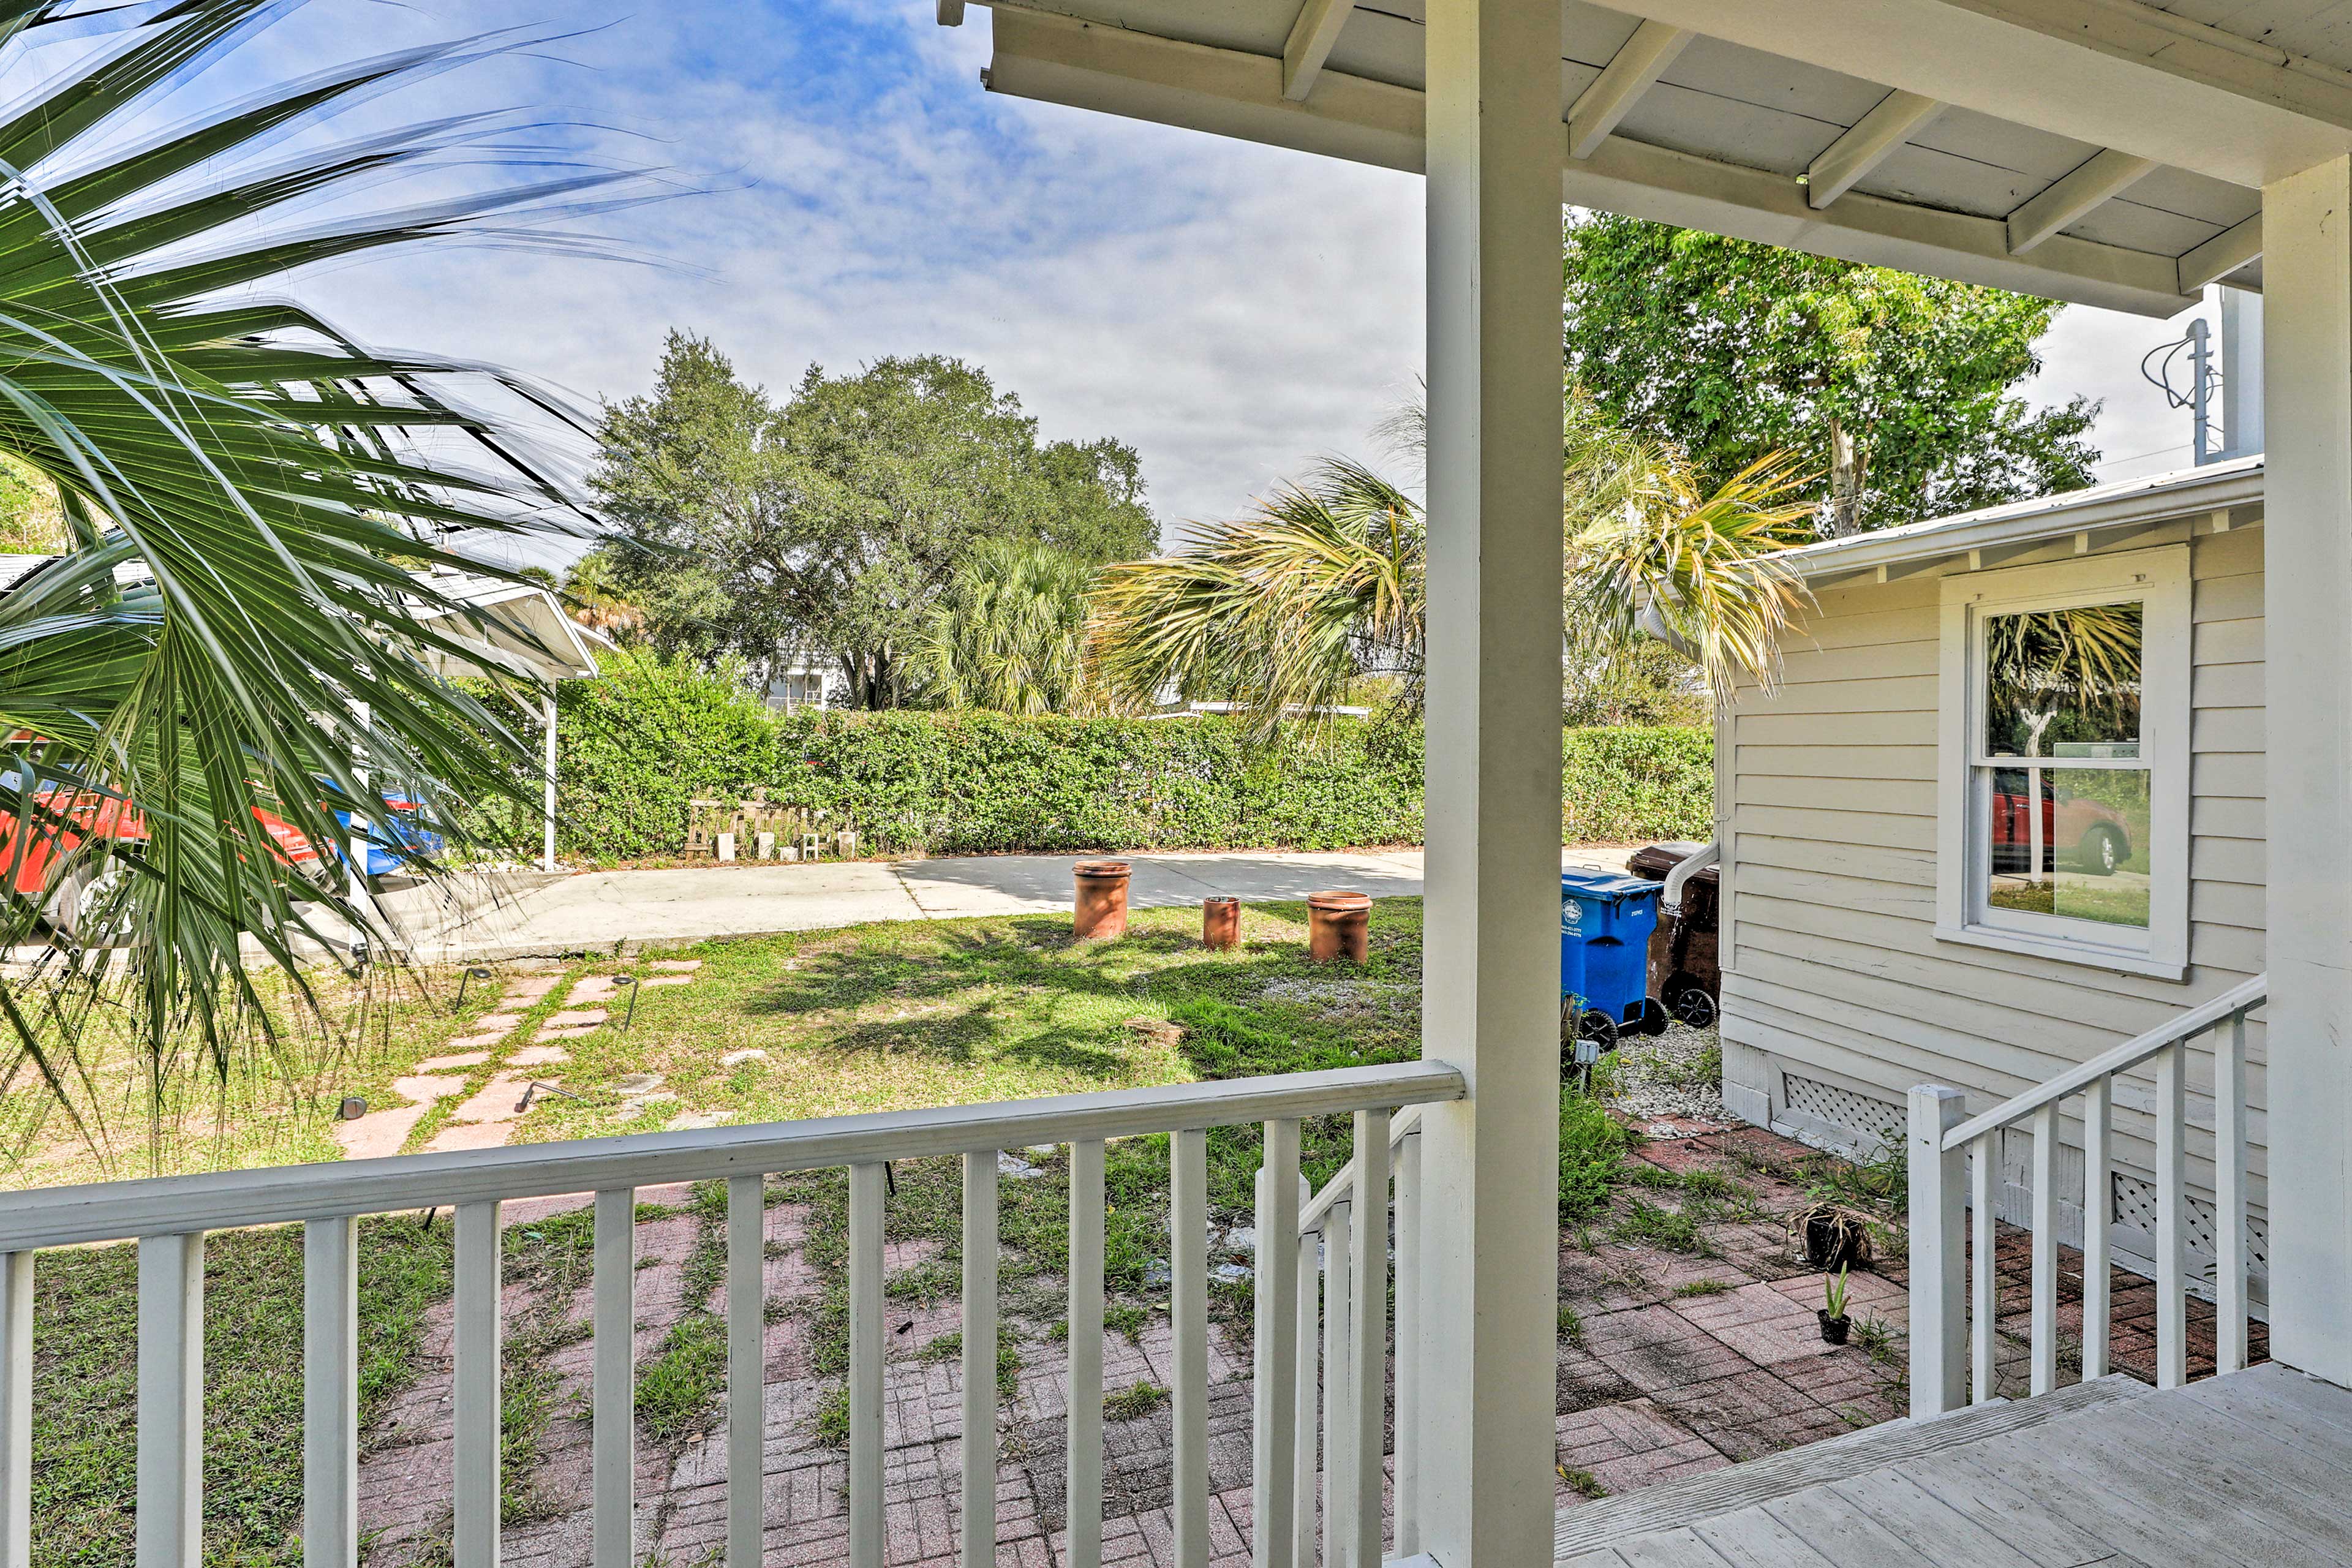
[
  {"x": 2064, "y": 683},
  {"x": 2083, "y": 856}
]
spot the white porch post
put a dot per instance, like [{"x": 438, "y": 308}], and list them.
[
  {"x": 2307, "y": 398},
  {"x": 546, "y": 786},
  {"x": 1492, "y": 942}
]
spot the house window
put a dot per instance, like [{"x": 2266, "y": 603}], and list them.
[{"x": 2065, "y": 796}]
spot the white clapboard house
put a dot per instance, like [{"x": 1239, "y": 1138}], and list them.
[{"x": 2119, "y": 152}]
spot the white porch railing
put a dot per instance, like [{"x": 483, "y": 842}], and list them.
[
  {"x": 170, "y": 1217},
  {"x": 1942, "y": 1138}
]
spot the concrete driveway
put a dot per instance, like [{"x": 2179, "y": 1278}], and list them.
[{"x": 605, "y": 912}]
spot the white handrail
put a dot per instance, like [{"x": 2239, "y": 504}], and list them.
[
  {"x": 226, "y": 1200},
  {"x": 2121, "y": 1058}
]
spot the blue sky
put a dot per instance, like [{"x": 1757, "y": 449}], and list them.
[{"x": 1230, "y": 311}]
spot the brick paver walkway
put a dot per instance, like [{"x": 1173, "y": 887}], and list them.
[{"x": 1678, "y": 1361}]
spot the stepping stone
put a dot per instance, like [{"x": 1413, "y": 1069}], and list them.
[
  {"x": 478, "y": 1045},
  {"x": 736, "y": 1058},
  {"x": 595, "y": 988},
  {"x": 677, "y": 965},
  {"x": 1011, "y": 1164},
  {"x": 379, "y": 1132},
  {"x": 572, "y": 1032},
  {"x": 478, "y": 1135},
  {"x": 698, "y": 1120},
  {"x": 495, "y": 1024},
  {"x": 425, "y": 1087},
  {"x": 572, "y": 1019},
  {"x": 638, "y": 1082},
  {"x": 527, "y": 989},
  {"x": 538, "y": 1056},
  {"x": 493, "y": 1101},
  {"x": 462, "y": 1059},
  {"x": 653, "y": 980}
]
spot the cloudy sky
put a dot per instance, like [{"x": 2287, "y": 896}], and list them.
[{"x": 854, "y": 193}]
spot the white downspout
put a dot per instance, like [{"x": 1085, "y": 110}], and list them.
[
  {"x": 1679, "y": 877},
  {"x": 547, "y": 717}
]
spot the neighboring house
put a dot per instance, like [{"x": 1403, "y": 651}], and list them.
[
  {"x": 797, "y": 680},
  {"x": 1885, "y": 923}
]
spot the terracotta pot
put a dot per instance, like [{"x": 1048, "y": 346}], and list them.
[
  {"x": 1220, "y": 924},
  {"x": 1101, "y": 912},
  {"x": 1338, "y": 925}
]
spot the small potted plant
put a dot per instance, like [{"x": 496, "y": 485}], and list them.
[{"x": 1835, "y": 1324}]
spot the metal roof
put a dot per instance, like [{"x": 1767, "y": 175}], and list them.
[
  {"x": 2102, "y": 509},
  {"x": 1798, "y": 122}
]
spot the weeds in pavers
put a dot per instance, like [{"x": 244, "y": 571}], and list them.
[
  {"x": 1876, "y": 1337},
  {"x": 831, "y": 1428},
  {"x": 1695, "y": 1288},
  {"x": 1571, "y": 1325},
  {"x": 1127, "y": 1320},
  {"x": 1133, "y": 1404},
  {"x": 1652, "y": 1225},
  {"x": 1583, "y": 1483},
  {"x": 679, "y": 1388},
  {"x": 1592, "y": 1163},
  {"x": 950, "y": 1347},
  {"x": 85, "y": 1385},
  {"x": 553, "y": 1259}
]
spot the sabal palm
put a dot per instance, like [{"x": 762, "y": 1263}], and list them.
[
  {"x": 236, "y": 619},
  {"x": 1285, "y": 610},
  {"x": 1009, "y": 634},
  {"x": 1292, "y": 605}
]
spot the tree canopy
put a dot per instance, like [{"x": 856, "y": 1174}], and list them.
[
  {"x": 836, "y": 520},
  {"x": 1899, "y": 392}
]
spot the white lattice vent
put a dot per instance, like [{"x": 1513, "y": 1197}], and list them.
[
  {"x": 2135, "y": 1205},
  {"x": 1870, "y": 1119}
]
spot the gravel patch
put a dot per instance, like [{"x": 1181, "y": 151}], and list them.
[{"x": 1679, "y": 1073}]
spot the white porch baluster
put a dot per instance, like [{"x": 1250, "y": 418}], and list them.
[
  {"x": 1938, "y": 1372},
  {"x": 1307, "y": 1393},
  {"x": 1983, "y": 1283},
  {"x": 2230, "y": 1196},
  {"x": 1366, "y": 1377},
  {"x": 330, "y": 1394},
  {"x": 1084, "y": 1434},
  {"x": 746, "y": 1366},
  {"x": 1408, "y": 1344},
  {"x": 1339, "y": 1331},
  {"x": 1187, "y": 1311},
  {"x": 2171, "y": 1228},
  {"x": 17, "y": 1409},
  {"x": 867, "y": 1186},
  {"x": 2098, "y": 1212},
  {"x": 474, "y": 1535},
  {"x": 170, "y": 1464},
  {"x": 2044, "y": 1348},
  {"x": 613, "y": 1431},
  {"x": 978, "y": 1440},
  {"x": 1275, "y": 1427}
]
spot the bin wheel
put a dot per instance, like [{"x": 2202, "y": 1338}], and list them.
[
  {"x": 1655, "y": 1017},
  {"x": 1687, "y": 1000},
  {"x": 1599, "y": 1027}
]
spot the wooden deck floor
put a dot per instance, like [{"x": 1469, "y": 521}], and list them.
[{"x": 2253, "y": 1470}]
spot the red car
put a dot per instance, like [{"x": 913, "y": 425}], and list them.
[
  {"x": 27, "y": 870},
  {"x": 2093, "y": 836}
]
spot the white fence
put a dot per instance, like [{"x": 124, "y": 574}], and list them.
[
  {"x": 1942, "y": 1140},
  {"x": 169, "y": 1218}
]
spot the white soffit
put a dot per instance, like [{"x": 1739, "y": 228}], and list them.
[{"x": 1725, "y": 137}]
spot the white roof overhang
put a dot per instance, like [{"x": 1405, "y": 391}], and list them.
[
  {"x": 516, "y": 629},
  {"x": 2104, "y": 152},
  {"x": 2099, "y": 516}
]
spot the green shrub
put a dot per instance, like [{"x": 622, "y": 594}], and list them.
[{"x": 646, "y": 740}]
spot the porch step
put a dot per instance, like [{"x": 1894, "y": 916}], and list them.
[{"x": 1596, "y": 1524}]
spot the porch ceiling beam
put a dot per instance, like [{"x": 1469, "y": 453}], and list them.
[
  {"x": 1312, "y": 38},
  {"x": 2099, "y": 178},
  {"x": 1632, "y": 72},
  {"x": 2221, "y": 255},
  {"x": 2114, "y": 73},
  {"x": 1230, "y": 93},
  {"x": 1874, "y": 139}
]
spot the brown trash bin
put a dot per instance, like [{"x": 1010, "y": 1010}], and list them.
[
  {"x": 1338, "y": 925},
  {"x": 1101, "y": 906},
  {"x": 1220, "y": 924},
  {"x": 1688, "y": 944}
]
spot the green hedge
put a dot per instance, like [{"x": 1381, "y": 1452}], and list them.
[{"x": 647, "y": 739}]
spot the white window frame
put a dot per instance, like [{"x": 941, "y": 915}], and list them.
[{"x": 2159, "y": 579}]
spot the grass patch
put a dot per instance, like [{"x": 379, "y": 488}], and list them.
[
  {"x": 1592, "y": 1163},
  {"x": 1582, "y": 1483},
  {"x": 1572, "y": 1324},
  {"x": 1690, "y": 1288},
  {"x": 85, "y": 1385},
  {"x": 1134, "y": 1404},
  {"x": 1672, "y": 1230}
]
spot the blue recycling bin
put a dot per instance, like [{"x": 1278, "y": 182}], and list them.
[{"x": 1605, "y": 921}]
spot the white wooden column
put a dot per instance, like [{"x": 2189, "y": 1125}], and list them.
[
  {"x": 547, "y": 783},
  {"x": 2308, "y": 545},
  {"x": 1491, "y": 1002}
]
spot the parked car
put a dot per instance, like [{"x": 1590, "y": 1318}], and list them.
[{"x": 2093, "y": 835}]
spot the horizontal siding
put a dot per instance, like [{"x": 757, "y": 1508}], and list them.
[{"x": 1833, "y": 967}]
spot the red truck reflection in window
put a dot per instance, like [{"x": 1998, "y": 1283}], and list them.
[{"x": 2089, "y": 835}]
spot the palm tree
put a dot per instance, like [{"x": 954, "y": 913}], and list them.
[
  {"x": 234, "y": 631},
  {"x": 1291, "y": 608},
  {"x": 1009, "y": 634}
]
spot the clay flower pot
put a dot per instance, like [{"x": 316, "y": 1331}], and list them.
[
  {"x": 1220, "y": 924},
  {"x": 1101, "y": 903},
  {"x": 1338, "y": 925}
]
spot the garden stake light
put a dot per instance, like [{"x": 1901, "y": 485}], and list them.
[
  {"x": 628, "y": 982},
  {"x": 475, "y": 972}
]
